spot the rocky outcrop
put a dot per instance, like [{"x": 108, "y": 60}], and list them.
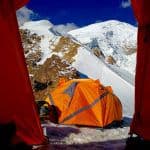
[
  {"x": 67, "y": 48},
  {"x": 110, "y": 60},
  {"x": 31, "y": 45},
  {"x": 45, "y": 77}
]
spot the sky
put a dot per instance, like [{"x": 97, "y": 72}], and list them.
[{"x": 80, "y": 12}]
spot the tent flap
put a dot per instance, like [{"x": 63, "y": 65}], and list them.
[
  {"x": 17, "y": 101},
  {"x": 20, "y": 3},
  {"x": 141, "y": 120}
]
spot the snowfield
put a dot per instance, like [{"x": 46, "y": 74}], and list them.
[{"x": 65, "y": 137}]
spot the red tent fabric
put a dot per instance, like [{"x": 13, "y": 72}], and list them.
[
  {"x": 16, "y": 97},
  {"x": 141, "y": 121}
]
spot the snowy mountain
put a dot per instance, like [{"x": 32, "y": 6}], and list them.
[
  {"x": 104, "y": 51},
  {"x": 113, "y": 38}
]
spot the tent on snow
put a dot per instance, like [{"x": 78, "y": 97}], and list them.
[
  {"x": 141, "y": 120},
  {"x": 85, "y": 102},
  {"x": 17, "y": 101}
]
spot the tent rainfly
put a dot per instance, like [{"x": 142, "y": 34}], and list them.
[{"x": 85, "y": 102}]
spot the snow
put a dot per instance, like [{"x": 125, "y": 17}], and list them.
[
  {"x": 39, "y": 27},
  {"x": 114, "y": 38},
  {"x": 46, "y": 49},
  {"x": 75, "y": 137}
]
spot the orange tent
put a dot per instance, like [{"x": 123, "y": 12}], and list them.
[
  {"x": 16, "y": 98},
  {"x": 141, "y": 120},
  {"x": 85, "y": 102}
]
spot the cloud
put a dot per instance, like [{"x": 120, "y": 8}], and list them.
[
  {"x": 23, "y": 15},
  {"x": 126, "y": 3},
  {"x": 64, "y": 28}
]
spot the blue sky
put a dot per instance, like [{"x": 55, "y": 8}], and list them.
[{"x": 82, "y": 12}]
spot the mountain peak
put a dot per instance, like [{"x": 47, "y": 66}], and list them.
[{"x": 40, "y": 27}]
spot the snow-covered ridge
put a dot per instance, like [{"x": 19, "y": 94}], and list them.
[{"x": 112, "y": 31}]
